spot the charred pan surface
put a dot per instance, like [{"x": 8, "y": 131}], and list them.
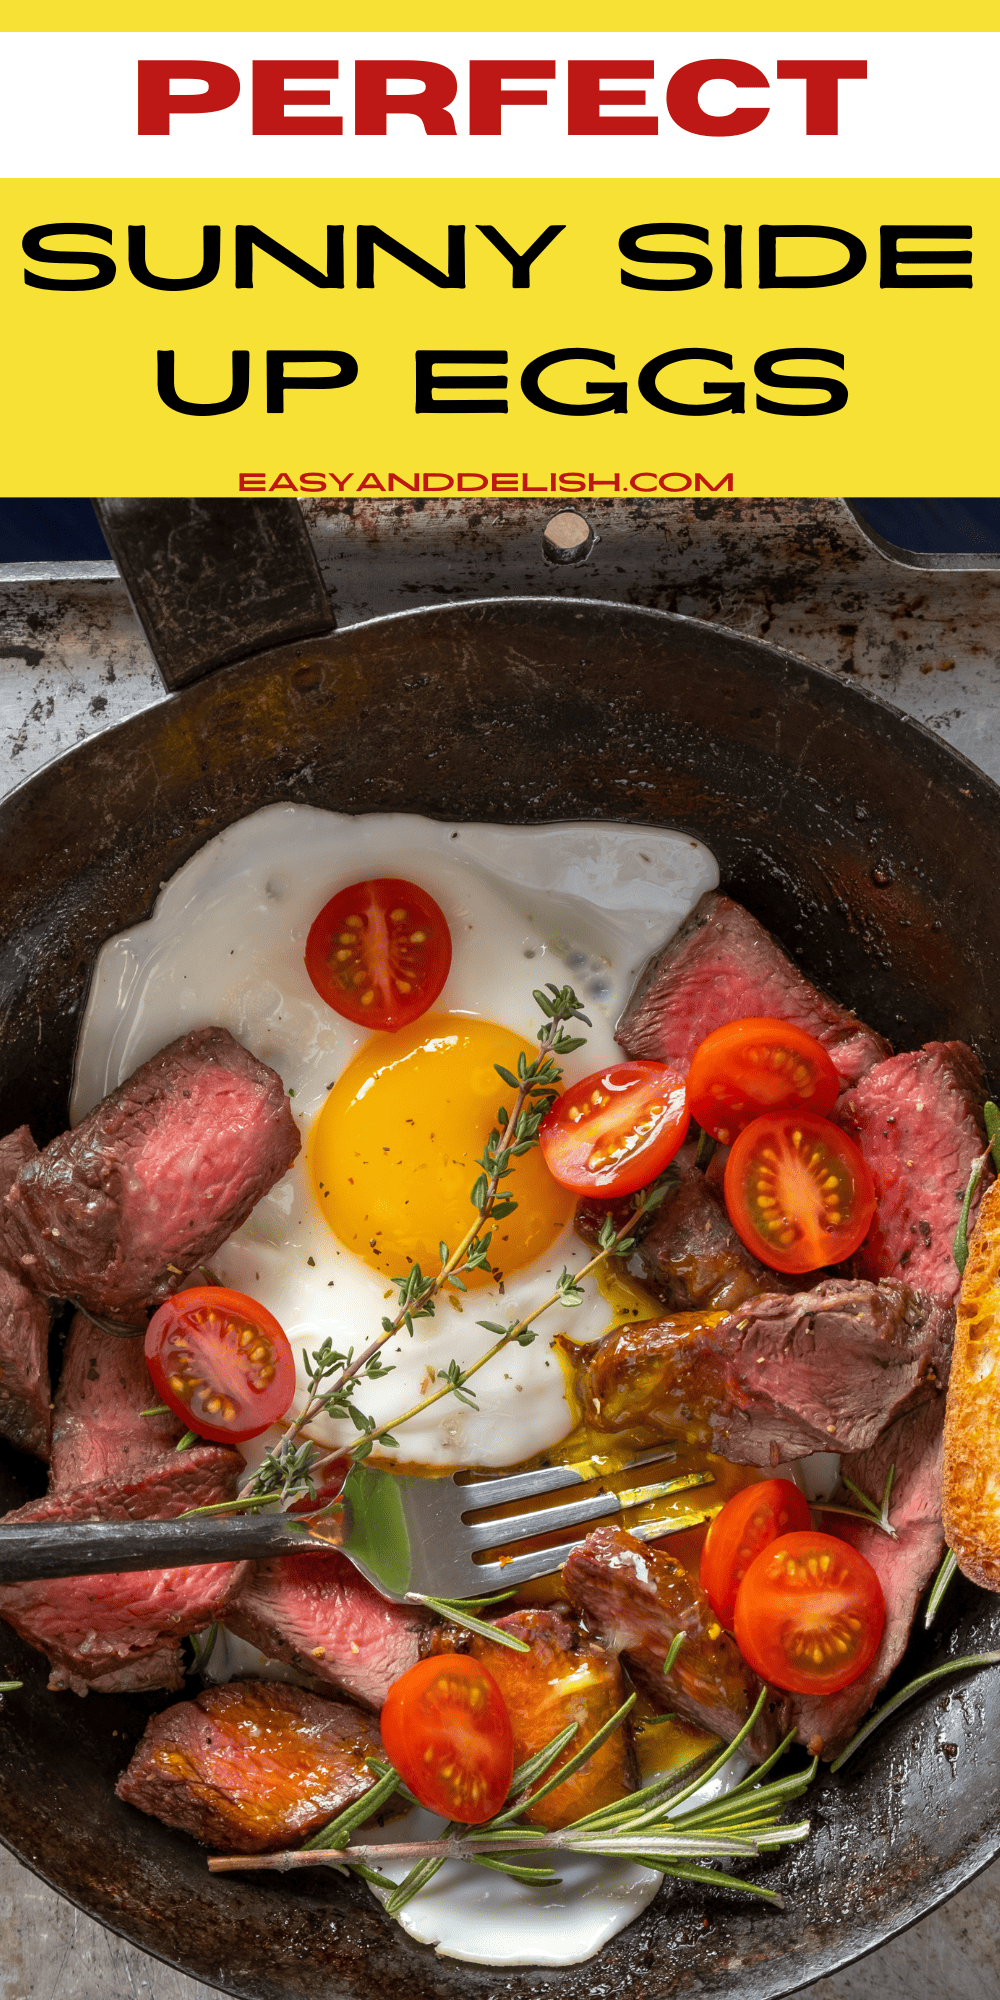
[
  {"x": 252, "y": 1766},
  {"x": 636, "y": 1599},
  {"x": 904, "y": 1567},
  {"x": 25, "y": 1318},
  {"x": 779, "y": 1377},
  {"x": 154, "y": 1179},
  {"x": 565, "y": 1678},
  {"x": 316, "y": 1613},
  {"x": 918, "y": 1121},
  {"x": 722, "y": 965}
]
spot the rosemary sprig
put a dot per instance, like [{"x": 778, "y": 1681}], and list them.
[
  {"x": 204, "y": 1648},
  {"x": 642, "y": 1827},
  {"x": 907, "y": 1693},
  {"x": 940, "y": 1584},
  {"x": 462, "y": 1611},
  {"x": 675, "y": 1646},
  {"x": 991, "y": 1120},
  {"x": 875, "y": 1514}
]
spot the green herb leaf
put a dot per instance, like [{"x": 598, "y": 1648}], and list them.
[
  {"x": 457, "y": 1614},
  {"x": 991, "y": 1120},
  {"x": 907, "y": 1693},
  {"x": 675, "y": 1646},
  {"x": 939, "y": 1586},
  {"x": 960, "y": 1247}
]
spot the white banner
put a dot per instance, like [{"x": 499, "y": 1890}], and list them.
[{"x": 840, "y": 105}]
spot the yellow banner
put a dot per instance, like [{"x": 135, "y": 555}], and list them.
[
  {"x": 397, "y": 16},
  {"x": 505, "y": 338}
]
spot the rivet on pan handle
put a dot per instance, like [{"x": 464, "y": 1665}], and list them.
[{"x": 213, "y": 580}]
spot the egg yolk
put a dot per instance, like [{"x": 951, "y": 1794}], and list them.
[{"x": 394, "y": 1150}]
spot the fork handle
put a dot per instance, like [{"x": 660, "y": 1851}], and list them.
[{"x": 34, "y": 1552}]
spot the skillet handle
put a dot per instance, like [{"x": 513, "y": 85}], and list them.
[{"x": 213, "y": 580}]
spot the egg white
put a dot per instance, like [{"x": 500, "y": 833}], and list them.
[{"x": 579, "y": 903}]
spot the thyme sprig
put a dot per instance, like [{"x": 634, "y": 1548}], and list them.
[
  {"x": 535, "y": 1086},
  {"x": 875, "y": 1514},
  {"x": 568, "y": 1292},
  {"x": 285, "y": 1474},
  {"x": 646, "y": 1826}
]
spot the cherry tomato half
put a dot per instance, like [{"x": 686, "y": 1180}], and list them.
[
  {"x": 757, "y": 1065},
  {"x": 748, "y": 1521},
  {"x": 809, "y": 1614},
  {"x": 380, "y": 952},
  {"x": 798, "y": 1192},
  {"x": 220, "y": 1362},
  {"x": 446, "y": 1728},
  {"x": 616, "y": 1130}
]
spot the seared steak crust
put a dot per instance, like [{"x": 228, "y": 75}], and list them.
[
  {"x": 779, "y": 1377},
  {"x": 317, "y": 1613},
  {"x": 636, "y": 1598},
  {"x": 154, "y": 1179},
  {"x": 918, "y": 1121},
  {"x": 722, "y": 965},
  {"x": 904, "y": 1567},
  {"x": 25, "y": 1318},
  {"x": 252, "y": 1766},
  {"x": 693, "y": 1256}
]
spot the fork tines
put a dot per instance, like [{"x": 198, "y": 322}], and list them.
[{"x": 484, "y": 1535}]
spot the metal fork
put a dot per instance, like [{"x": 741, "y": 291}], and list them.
[{"x": 413, "y": 1538}]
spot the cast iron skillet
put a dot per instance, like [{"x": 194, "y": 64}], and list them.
[{"x": 870, "y": 848}]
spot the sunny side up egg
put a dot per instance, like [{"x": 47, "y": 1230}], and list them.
[
  {"x": 391, "y": 1127},
  {"x": 392, "y": 1124}
]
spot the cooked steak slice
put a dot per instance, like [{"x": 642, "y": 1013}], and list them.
[
  {"x": 316, "y": 1613},
  {"x": 722, "y": 966},
  {"x": 121, "y": 1631},
  {"x": 904, "y": 1567},
  {"x": 97, "y": 1431},
  {"x": 779, "y": 1377},
  {"x": 158, "y": 1492},
  {"x": 918, "y": 1121},
  {"x": 252, "y": 1766},
  {"x": 693, "y": 1257},
  {"x": 154, "y": 1179},
  {"x": 636, "y": 1599},
  {"x": 90, "y": 1627},
  {"x": 565, "y": 1678},
  {"x": 139, "y": 1673},
  {"x": 25, "y": 1319}
]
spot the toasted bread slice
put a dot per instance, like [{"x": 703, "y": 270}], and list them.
[{"x": 971, "y": 1502}]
